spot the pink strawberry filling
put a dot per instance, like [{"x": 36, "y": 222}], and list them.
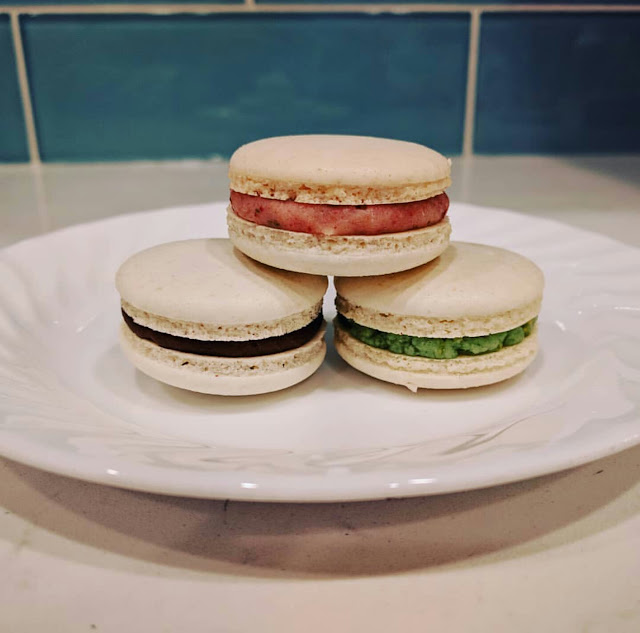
[{"x": 332, "y": 219}]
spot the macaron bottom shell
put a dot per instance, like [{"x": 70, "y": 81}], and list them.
[
  {"x": 425, "y": 373},
  {"x": 343, "y": 255},
  {"x": 224, "y": 376}
]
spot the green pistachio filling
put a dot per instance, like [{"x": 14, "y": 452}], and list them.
[{"x": 439, "y": 348}]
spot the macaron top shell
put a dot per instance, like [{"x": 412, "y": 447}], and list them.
[
  {"x": 338, "y": 169},
  {"x": 470, "y": 290},
  {"x": 207, "y": 281}
]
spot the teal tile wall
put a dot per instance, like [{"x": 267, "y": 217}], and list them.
[
  {"x": 13, "y": 143},
  {"x": 115, "y": 88},
  {"x": 558, "y": 83},
  {"x": 109, "y": 85},
  {"x": 317, "y": 2}
]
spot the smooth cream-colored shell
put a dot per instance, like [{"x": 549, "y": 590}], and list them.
[
  {"x": 210, "y": 284},
  {"x": 470, "y": 290},
  {"x": 347, "y": 255},
  {"x": 224, "y": 376},
  {"x": 338, "y": 169},
  {"x": 426, "y": 373}
]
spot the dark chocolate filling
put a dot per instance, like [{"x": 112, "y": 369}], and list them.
[{"x": 234, "y": 349}]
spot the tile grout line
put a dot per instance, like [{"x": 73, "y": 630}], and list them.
[
  {"x": 25, "y": 92},
  {"x": 472, "y": 81},
  {"x": 250, "y": 6}
]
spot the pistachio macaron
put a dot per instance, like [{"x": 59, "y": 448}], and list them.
[
  {"x": 339, "y": 205},
  {"x": 466, "y": 319},
  {"x": 200, "y": 315}
]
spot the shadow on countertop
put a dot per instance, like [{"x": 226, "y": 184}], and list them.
[{"x": 158, "y": 534}]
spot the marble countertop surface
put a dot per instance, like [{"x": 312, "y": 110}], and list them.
[{"x": 560, "y": 553}]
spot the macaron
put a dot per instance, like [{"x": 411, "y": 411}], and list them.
[
  {"x": 200, "y": 315},
  {"x": 339, "y": 205},
  {"x": 463, "y": 320}
]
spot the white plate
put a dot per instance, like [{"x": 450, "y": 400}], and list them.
[{"x": 71, "y": 404}]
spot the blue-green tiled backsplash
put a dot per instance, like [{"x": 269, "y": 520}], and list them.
[
  {"x": 13, "y": 142},
  {"x": 142, "y": 86}
]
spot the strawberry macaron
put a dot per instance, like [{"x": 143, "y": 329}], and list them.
[{"x": 339, "y": 205}]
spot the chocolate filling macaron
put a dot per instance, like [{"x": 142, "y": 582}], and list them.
[
  {"x": 339, "y": 205},
  {"x": 200, "y": 315},
  {"x": 465, "y": 319}
]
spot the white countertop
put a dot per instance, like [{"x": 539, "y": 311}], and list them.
[{"x": 559, "y": 553}]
